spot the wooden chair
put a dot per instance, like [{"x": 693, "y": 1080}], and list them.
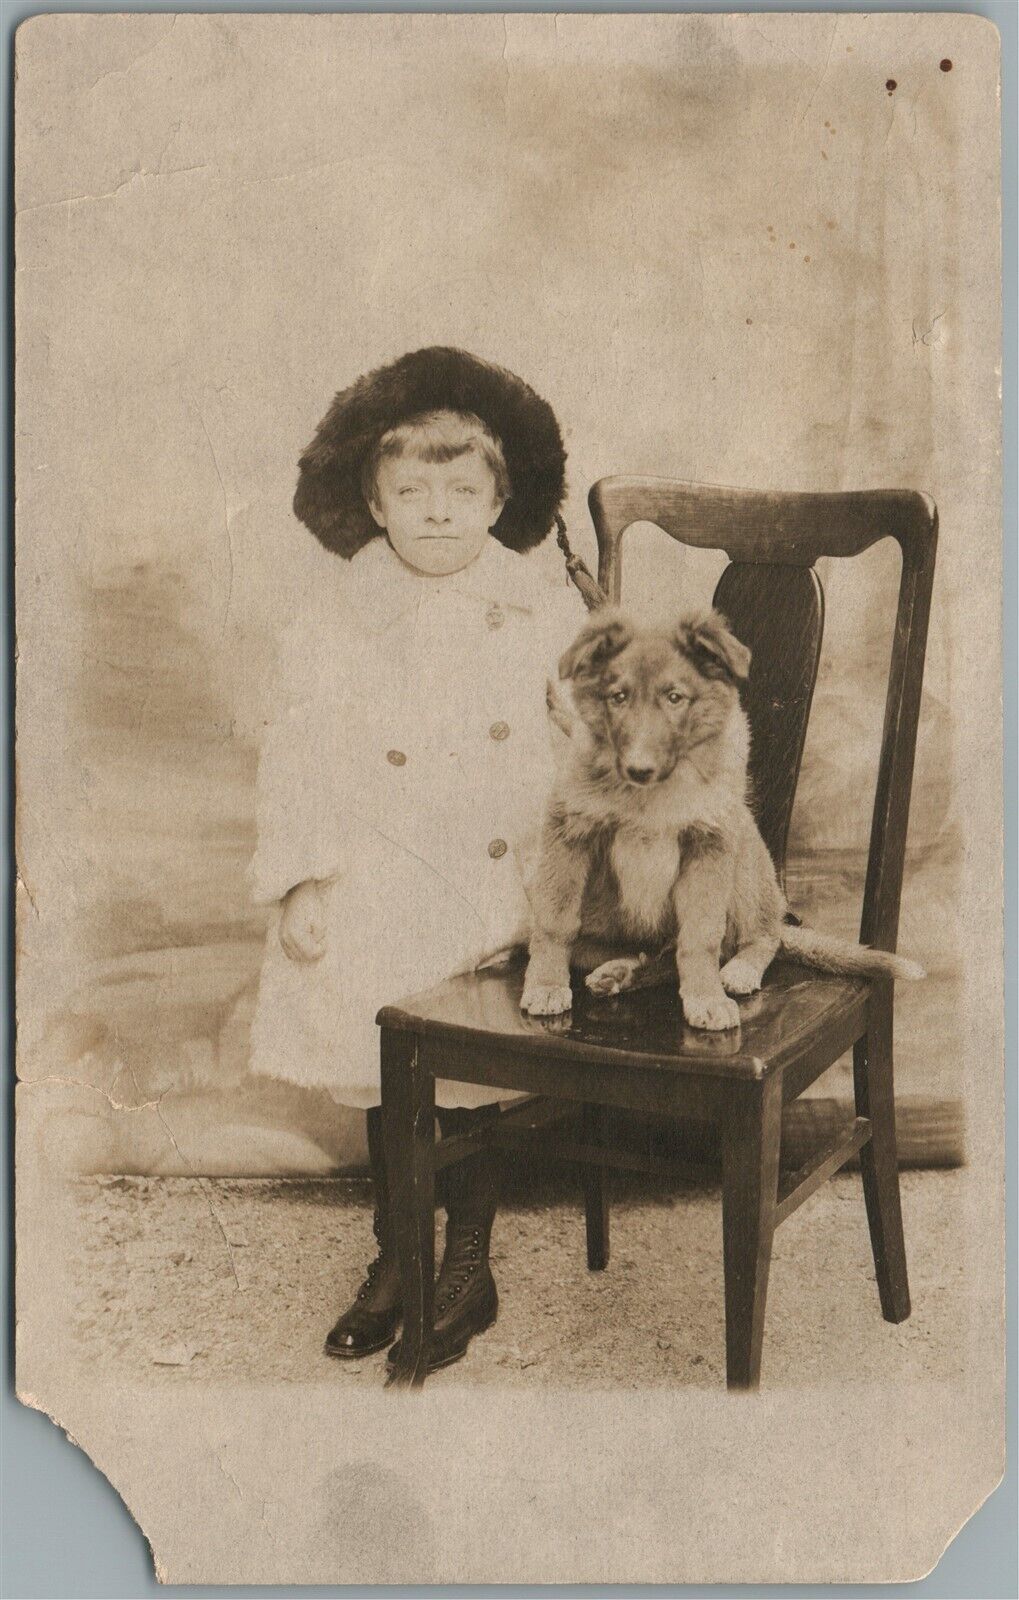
[{"x": 634, "y": 1052}]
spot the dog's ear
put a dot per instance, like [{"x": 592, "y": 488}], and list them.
[
  {"x": 607, "y": 632},
  {"x": 713, "y": 649}
]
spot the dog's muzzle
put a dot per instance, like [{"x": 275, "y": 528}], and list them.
[{"x": 639, "y": 775}]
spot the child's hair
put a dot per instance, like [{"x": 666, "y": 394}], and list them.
[{"x": 437, "y": 436}]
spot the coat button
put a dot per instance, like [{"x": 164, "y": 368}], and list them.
[
  {"x": 396, "y": 758},
  {"x": 499, "y": 730},
  {"x": 495, "y": 616},
  {"x": 497, "y": 848}
]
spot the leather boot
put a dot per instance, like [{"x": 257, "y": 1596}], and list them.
[
  {"x": 371, "y": 1322},
  {"x": 466, "y": 1300}
]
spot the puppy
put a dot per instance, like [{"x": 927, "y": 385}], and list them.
[{"x": 648, "y": 843}]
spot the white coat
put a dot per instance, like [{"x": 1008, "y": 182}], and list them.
[{"x": 407, "y": 764}]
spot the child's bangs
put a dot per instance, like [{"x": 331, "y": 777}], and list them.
[{"x": 442, "y": 436}]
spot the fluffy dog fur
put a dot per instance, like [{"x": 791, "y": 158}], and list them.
[
  {"x": 649, "y": 845},
  {"x": 329, "y": 499}
]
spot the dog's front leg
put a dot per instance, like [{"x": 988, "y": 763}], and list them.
[
  {"x": 556, "y": 899},
  {"x": 701, "y": 899}
]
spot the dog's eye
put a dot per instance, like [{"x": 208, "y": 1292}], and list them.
[
  {"x": 675, "y": 697},
  {"x": 617, "y": 698}
]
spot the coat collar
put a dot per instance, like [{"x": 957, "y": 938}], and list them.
[{"x": 383, "y": 588}]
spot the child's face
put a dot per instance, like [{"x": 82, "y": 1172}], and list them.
[{"x": 437, "y": 514}]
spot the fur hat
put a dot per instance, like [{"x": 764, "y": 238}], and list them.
[{"x": 329, "y": 498}]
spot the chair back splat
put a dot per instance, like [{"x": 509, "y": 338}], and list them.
[
  {"x": 778, "y": 613},
  {"x": 773, "y": 600}
]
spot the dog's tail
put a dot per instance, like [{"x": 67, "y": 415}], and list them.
[{"x": 828, "y": 954}]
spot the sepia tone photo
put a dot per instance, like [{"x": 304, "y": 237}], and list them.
[{"x": 508, "y": 815}]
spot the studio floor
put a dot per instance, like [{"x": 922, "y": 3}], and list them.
[{"x": 184, "y": 1279}]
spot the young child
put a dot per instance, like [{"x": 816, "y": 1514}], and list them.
[{"x": 402, "y": 777}]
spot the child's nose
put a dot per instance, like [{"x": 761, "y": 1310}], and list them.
[{"x": 438, "y": 506}]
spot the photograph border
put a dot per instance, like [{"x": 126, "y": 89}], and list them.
[{"x": 66, "y": 1531}]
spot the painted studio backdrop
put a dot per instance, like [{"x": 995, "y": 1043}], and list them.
[{"x": 717, "y": 262}]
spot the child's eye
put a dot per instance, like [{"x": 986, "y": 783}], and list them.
[
  {"x": 409, "y": 489},
  {"x": 466, "y": 488},
  {"x": 675, "y": 697},
  {"x": 617, "y": 698}
]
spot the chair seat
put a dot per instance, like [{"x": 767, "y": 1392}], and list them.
[{"x": 797, "y": 1010}]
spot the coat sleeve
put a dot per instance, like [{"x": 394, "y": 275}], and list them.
[
  {"x": 565, "y": 617},
  {"x": 300, "y": 834}
]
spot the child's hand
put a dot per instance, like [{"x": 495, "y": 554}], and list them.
[{"x": 303, "y": 924}]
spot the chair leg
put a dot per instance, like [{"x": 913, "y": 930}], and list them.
[
  {"x": 751, "y": 1136},
  {"x": 596, "y": 1200},
  {"x": 408, "y": 1125},
  {"x": 875, "y": 1100}
]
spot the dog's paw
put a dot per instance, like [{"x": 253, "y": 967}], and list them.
[
  {"x": 712, "y": 1012},
  {"x": 612, "y": 977},
  {"x": 546, "y": 1000},
  {"x": 740, "y": 977}
]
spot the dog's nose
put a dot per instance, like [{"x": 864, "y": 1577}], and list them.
[{"x": 640, "y": 774}]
